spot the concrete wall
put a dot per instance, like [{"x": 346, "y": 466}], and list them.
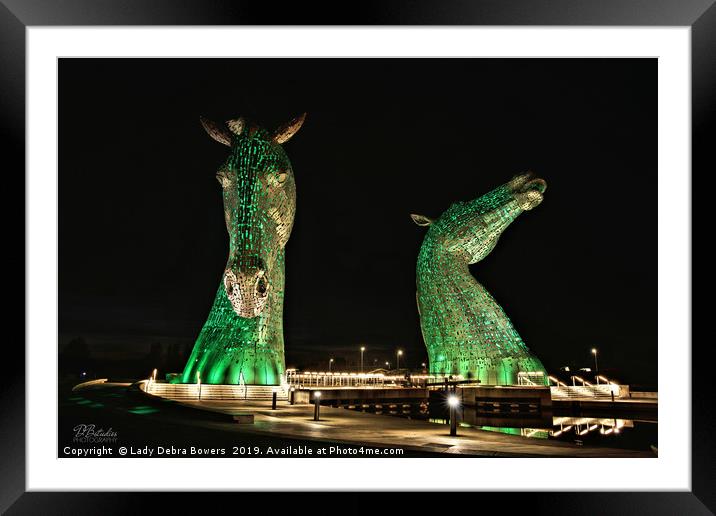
[
  {"x": 540, "y": 395},
  {"x": 649, "y": 395},
  {"x": 360, "y": 395}
]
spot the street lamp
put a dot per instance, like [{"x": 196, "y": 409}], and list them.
[
  {"x": 596, "y": 367},
  {"x": 362, "y": 349},
  {"x": 387, "y": 364},
  {"x": 397, "y": 357},
  {"x": 330, "y": 365},
  {"x": 453, "y": 403}
]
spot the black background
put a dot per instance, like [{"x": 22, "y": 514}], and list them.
[{"x": 142, "y": 241}]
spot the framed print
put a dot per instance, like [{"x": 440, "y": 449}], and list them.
[{"x": 430, "y": 251}]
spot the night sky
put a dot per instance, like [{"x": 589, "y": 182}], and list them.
[{"x": 143, "y": 242}]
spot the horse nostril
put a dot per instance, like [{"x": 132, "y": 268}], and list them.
[
  {"x": 228, "y": 283},
  {"x": 261, "y": 285}
]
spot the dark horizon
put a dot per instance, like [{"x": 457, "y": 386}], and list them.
[{"x": 142, "y": 241}]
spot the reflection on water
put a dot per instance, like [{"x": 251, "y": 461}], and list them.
[{"x": 636, "y": 434}]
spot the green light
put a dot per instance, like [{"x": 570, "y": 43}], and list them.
[
  {"x": 242, "y": 339},
  {"x": 142, "y": 410},
  {"x": 465, "y": 331}
]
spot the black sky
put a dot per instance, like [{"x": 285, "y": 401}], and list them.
[{"x": 143, "y": 241}]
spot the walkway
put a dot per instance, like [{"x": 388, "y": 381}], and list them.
[{"x": 364, "y": 429}]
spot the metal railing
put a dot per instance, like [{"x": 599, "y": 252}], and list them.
[
  {"x": 307, "y": 379},
  {"x": 585, "y": 391},
  {"x": 608, "y": 389},
  {"x": 531, "y": 378},
  {"x": 197, "y": 391},
  {"x": 322, "y": 379}
]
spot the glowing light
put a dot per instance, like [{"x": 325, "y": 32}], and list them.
[
  {"x": 465, "y": 330},
  {"x": 241, "y": 341},
  {"x": 453, "y": 401},
  {"x": 317, "y": 394}
]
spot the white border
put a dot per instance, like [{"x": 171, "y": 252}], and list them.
[{"x": 672, "y": 468}]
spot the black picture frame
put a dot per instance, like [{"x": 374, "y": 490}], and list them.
[{"x": 17, "y": 15}]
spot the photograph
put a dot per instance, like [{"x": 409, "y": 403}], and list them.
[{"x": 381, "y": 257}]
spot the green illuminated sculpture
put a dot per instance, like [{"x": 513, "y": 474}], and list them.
[
  {"x": 466, "y": 332},
  {"x": 242, "y": 340}
]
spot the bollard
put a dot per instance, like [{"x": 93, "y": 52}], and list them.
[
  {"x": 612, "y": 396},
  {"x": 273, "y": 401},
  {"x": 317, "y": 405},
  {"x": 453, "y": 402},
  {"x": 292, "y": 396}
]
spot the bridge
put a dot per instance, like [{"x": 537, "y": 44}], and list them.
[{"x": 339, "y": 388}]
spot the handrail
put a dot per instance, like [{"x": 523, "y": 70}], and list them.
[
  {"x": 88, "y": 383},
  {"x": 585, "y": 391}
]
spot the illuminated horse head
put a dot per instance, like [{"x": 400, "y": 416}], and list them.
[
  {"x": 259, "y": 206},
  {"x": 469, "y": 230},
  {"x": 465, "y": 331}
]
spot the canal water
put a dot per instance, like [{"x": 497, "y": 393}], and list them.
[{"x": 624, "y": 432}]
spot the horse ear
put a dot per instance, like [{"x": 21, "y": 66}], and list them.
[
  {"x": 286, "y": 131},
  {"x": 218, "y": 133},
  {"x": 421, "y": 220}
]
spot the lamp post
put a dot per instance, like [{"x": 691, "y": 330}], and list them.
[
  {"x": 387, "y": 365},
  {"x": 362, "y": 349},
  {"x": 198, "y": 380},
  {"x": 397, "y": 358},
  {"x": 596, "y": 366},
  {"x": 453, "y": 403},
  {"x": 330, "y": 365},
  {"x": 317, "y": 405}
]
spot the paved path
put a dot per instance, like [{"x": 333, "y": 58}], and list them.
[{"x": 360, "y": 428}]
